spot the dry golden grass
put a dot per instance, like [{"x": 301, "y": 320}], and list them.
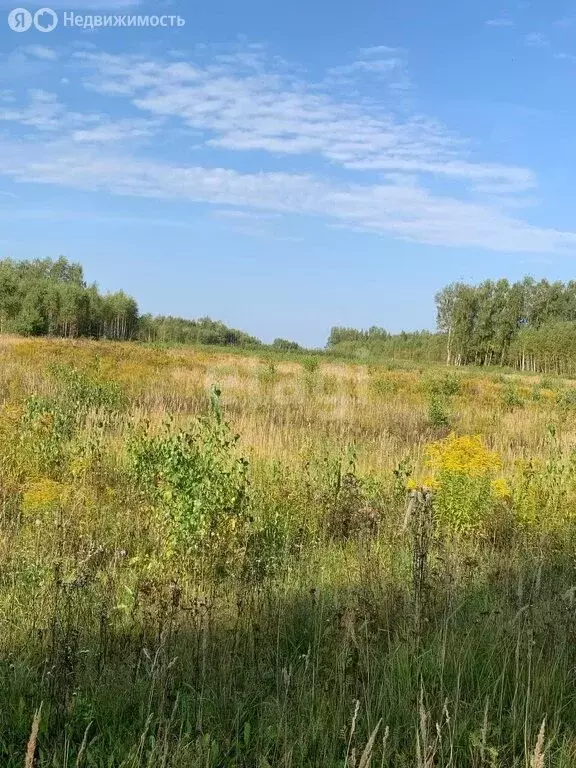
[{"x": 145, "y": 658}]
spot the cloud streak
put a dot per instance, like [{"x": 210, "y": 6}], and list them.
[
  {"x": 375, "y": 166},
  {"x": 502, "y": 21},
  {"x": 265, "y": 111},
  {"x": 536, "y": 40}
]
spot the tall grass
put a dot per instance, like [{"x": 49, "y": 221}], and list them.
[{"x": 188, "y": 579}]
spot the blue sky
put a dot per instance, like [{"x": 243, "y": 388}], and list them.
[{"x": 286, "y": 167}]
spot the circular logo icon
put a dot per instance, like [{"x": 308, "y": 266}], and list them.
[
  {"x": 19, "y": 20},
  {"x": 45, "y": 20}
]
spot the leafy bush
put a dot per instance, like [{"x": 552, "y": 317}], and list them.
[
  {"x": 197, "y": 484},
  {"x": 567, "y": 399},
  {"x": 446, "y": 385},
  {"x": 511, "y": 397},
  {"x": 284, "y": 345},
  {"x": 310, "y": 364},
  {"x": 49, "y": 421},
  {"x": 438, "y": 412},
  {"x": 82, "y": 392}
]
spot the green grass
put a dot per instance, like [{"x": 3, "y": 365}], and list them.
[{"x": 173, "y": 597}]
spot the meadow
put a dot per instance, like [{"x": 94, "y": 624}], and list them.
[{"x": 213, "y": 559}]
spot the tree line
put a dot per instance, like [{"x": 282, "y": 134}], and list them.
[
  {"x": 417, "y": 346},
  {"x": 529, "y": 325},
  {"x": 51, "y": 297}
]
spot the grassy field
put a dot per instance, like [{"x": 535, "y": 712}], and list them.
[{"x": 209, "y": 559}]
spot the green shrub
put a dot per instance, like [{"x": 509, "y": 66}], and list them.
[
  {"x": 197, "y": 483},
  {"x": 268, "y": 376},
  {"x": 49, "y": 422},
  {"x": 446, "y": 385},
  {"x": 567, "y": 398},
  {"x": 383, "y": 387},
  {"x": 511, "y": 398},
  {"x": 438, "y": 412},
  {"x": 310, "y": 364}
]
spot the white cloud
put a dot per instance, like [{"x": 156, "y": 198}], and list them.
[
  {"x": 283, "y": 115},
  {"x": 41, "y": 52},
  {"x": 253, "y": 224},
  {"x": 235, "y": 215},
  {"x": 408, "y": 212},
  {"x": 381, "y": 64},
  {"x": 379, "y": 50},
  {"x": 376, "y": 163},
  {"x": 43, "y": 112},
  {"x": 377, "y": 66},
  {"x": 501, "y": 21},
  {"x": 108, "y": 131},
  {"x": 51, "y": 214},
  {"x": 536, "y": 40},
  {"x": 24, "y": 64},
  {"x": 571, "y": 57}
]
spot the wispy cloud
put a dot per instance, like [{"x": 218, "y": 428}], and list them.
[
  {"x": 24, "y": 64},
  {"x": 571, "y": 57},
  {"x": 565, "y": 21},
  {"x": 230, "y": 214},
  {"x": 536, "y": 40},
  {"x": 42, "y": 112},
  {"x": 41, "y": 52},
  {"x": 50, "y": 214},
  {"x": 259, "y": 224},
  {"x": 410, "y": 213},
  {"x": 266, "y": 111},
  {"x": 376, "y": 162},
  {"x": 501, "y": 21},
  {"x": 45, "y": 113},
  {"x": 379, "y": 50},
  {"x": 374, "y": 66}
]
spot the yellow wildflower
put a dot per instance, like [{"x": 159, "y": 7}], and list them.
[
  {"x": 43, "y": 494},
  {"x": 465, "y": 455},
  {"x": 429, "y": 481},
  {"x": 501, "y": 488}
]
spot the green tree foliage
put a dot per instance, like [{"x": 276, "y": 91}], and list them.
[
  {"x": 529, "y": 325},
  {"x": 203, "y": 331},
  {"x": 284, "y": 345},
  {"x": 46, "y": 297},
  {"x": 419, "y": 346},
  {"x": 341, "y": 335}
]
